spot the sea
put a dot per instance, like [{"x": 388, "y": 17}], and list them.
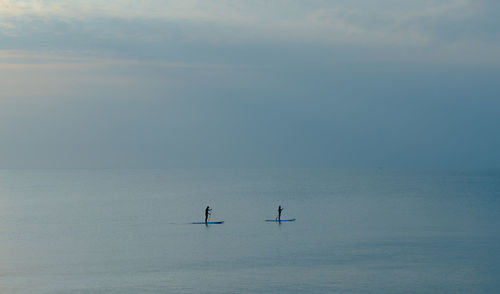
[{"x": 90, "y": 231}]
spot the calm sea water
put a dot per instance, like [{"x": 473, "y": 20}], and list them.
[{"x": 357, "y": 231}]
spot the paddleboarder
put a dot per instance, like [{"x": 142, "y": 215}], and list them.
[
  {"x": 207, "y": 213},
  {"x": 279, "y": 212}
]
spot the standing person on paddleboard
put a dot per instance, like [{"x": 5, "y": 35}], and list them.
[
  {"x": 279, "y": 212},
  {"x": 207, "y": 213}
]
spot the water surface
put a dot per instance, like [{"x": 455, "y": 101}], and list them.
[{"x": 357, "y": 231}]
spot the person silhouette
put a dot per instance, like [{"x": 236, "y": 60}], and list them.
[
  {"x": 207, "y": 213},
  {"x": 279, "y": 212}
]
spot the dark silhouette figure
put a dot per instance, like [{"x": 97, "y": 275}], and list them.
[
  {"x": 279, "y": 212},
  {"x": 207, "y": 213}
]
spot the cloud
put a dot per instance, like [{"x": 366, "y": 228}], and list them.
[
  {"x": 225, "y": 31},
  {"x": 168, "y": 29},
  {"x": 236, "y": 20},
  {"x": 251, "y": 82}
]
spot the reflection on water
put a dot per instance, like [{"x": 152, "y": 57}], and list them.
[{"x": 357, "y": 231}]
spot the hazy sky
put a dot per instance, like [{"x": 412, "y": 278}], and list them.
[{"x": 346, "y": 83}]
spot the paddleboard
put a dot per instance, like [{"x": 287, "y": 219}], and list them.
[
  {"x": 278, "y": 221},
  {"x": 208, "y": 223}
]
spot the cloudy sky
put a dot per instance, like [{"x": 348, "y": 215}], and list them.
[{"x": 158, "y": 83}]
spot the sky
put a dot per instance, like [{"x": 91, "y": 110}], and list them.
[{"x": 160, "y": 84}]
